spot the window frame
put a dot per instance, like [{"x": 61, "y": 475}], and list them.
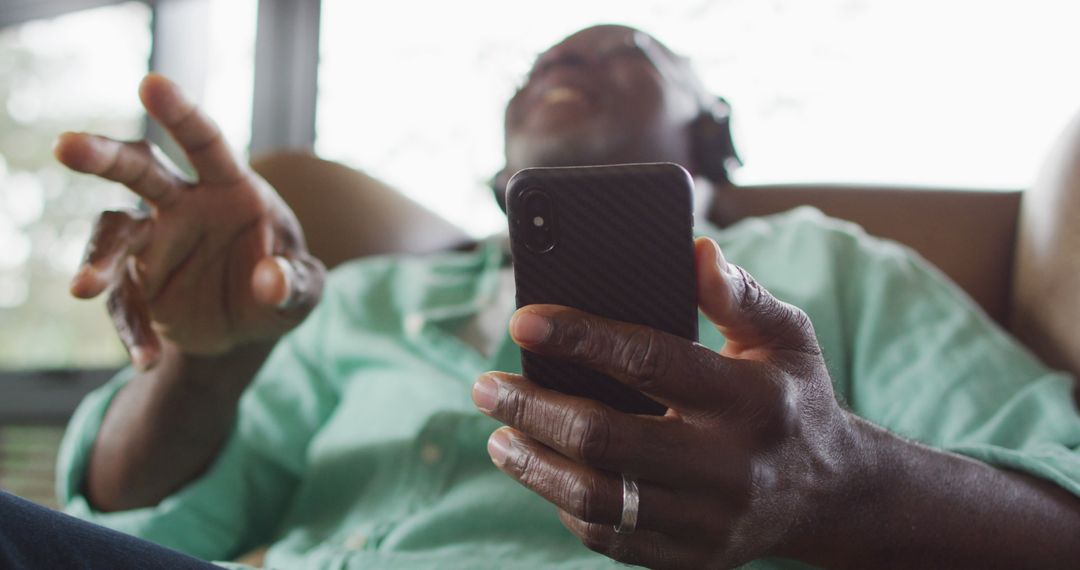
[
  {"x": 49, "y": 396},
  {"x": 283, "y": 118},
  {"x": 21, "y": 11}
]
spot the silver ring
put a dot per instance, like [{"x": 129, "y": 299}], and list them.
[
  {"x": 630, "y": 500},
  {"x": 292, "y": 290}
]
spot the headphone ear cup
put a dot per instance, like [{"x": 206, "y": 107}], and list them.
[{"x": 714, "y": 146}]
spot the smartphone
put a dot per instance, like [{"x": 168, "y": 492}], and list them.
[{"x": 615, "y": 241}]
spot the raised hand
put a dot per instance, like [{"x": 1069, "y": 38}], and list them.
[{"x": 216, "y": 263}]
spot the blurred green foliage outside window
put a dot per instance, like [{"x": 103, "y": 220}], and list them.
[{"x": 73, "y": 72}]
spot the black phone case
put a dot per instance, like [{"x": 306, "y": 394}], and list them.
[{"x": 623, "y": 250}]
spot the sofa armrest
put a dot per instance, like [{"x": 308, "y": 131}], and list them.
[{"x": 1046, "y": 278}]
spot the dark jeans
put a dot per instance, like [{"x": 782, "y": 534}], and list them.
[{"x": 32, "y": 536}]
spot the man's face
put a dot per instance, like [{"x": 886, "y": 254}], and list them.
[{"x": 607, "y": 94}]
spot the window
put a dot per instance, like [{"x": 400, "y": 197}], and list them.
[
  {"x": 80, "y": 71},
  {"x": 965, "y": 94},
  {"x": 28, "y": 461},
  {"x": 73, "y": 72},
  {"x": 208, "y": 47}
]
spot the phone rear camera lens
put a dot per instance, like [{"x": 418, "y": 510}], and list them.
[{"x": 537, "y": 220}]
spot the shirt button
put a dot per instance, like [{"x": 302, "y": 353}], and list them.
[
  {"x": 430, "y": 453},
  {"x": 414, "y": 323},
  {"x": 356, "y": 541}
]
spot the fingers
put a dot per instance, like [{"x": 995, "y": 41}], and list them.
[
  {"x": 195, "y": 132},
  {"x": 749, "y": 317},
  {"x": 116, "y": 235},
  {"x": 641, "y": 548},
  {"x": 136, "y": 165},
  {"x": 131, "y": 318},
  {"x": 660, "y": 449},
  {"x": 293, "y": 285},
  {"x": 133, "y": 164},
  {"x": 592, "y": 495},
  {"x": 674, "y": 371}
]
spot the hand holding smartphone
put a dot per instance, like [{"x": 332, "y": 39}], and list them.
[{"x": 614, "y": 241}]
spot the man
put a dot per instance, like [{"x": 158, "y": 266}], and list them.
[{"x": 352, "y": 441}]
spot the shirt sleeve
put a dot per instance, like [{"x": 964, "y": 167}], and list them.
[
  {"x": 239, "y": 501},
  {"x": 926, "y": 363}
]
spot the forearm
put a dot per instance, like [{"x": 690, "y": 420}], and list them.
[
  {"x": 914, "y": 506},
  {"x": 167, "y": 425}
]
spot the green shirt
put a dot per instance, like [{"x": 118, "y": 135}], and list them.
[{"x": 358, "y": 445}]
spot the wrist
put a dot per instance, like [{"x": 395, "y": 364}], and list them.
[
  {"x": 906, "y": 505},
  {"x": 850, "y": 496},
  {"x": 226, "y": 374}
]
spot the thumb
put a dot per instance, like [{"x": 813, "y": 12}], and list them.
[
  {"x": 748, "y": 316},
  {"x": 292, "y": 285}
]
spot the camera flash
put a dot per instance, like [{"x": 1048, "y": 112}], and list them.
[{"x": 538, "y": 221}]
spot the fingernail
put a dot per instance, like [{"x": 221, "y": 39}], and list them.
[
  {"x": 499, "y": 446},
  {"x": 288, "y": 275},
  {"x": 145, "y": 358},
  {"x": 139, "y": 358},
  {"x": 59, "y": 139},
  {"x": 77, "y": 282},
  {"x": 529, "y": 328},
  {"x": 721, "y": 261},
  {"x": 485, "y": 393},
  {"x": 168, "y": 83},
  {"x": 139, "y": 270},
  {"x": 102, "y": 145}
]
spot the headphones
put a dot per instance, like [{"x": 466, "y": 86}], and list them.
[{"x": 714, "y": 148}]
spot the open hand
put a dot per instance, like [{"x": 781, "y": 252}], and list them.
[
  {"x": 216, "y": 263},
  {"x": 744, "y": 463}
]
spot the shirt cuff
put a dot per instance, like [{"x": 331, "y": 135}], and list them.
[
  {"x": 197, "y": 520},
  {"x": 78, "y": 440}
]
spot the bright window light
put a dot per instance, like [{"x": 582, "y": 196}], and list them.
[
  {"x": 968, "y": 93},
  {"x": 230, "y": 69},
  {"x": 81, "y": 72},
  {"x": 74, "y": 72}
]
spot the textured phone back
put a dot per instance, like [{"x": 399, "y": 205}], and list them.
[{"x": 624, "y": 250}]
